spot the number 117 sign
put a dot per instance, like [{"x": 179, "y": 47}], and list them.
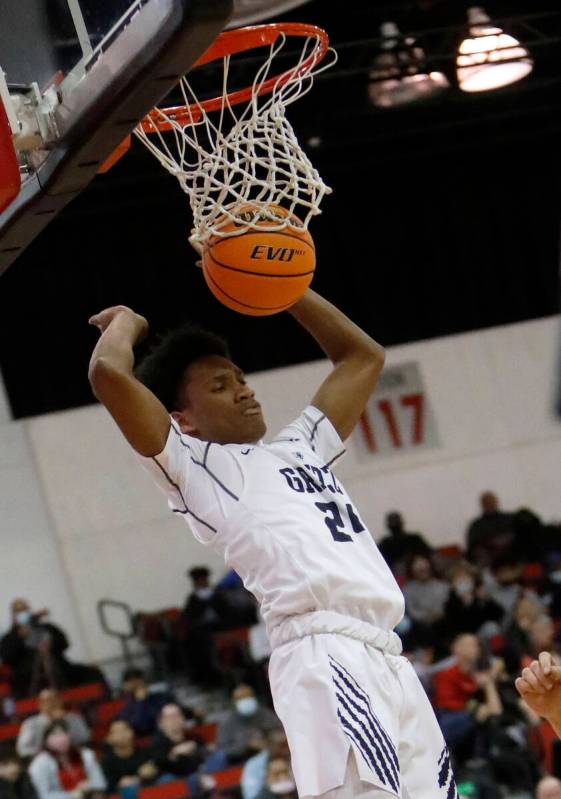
[{"x": 398, "y": 416}]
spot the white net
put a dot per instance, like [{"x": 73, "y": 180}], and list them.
[{"x": 236, "y": 162}]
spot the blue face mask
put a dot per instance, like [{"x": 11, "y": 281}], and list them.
[
  {"x": 246, "y": 706},
  {"x": 23, "y": 617},
  {"x": 404, "y": 626}
]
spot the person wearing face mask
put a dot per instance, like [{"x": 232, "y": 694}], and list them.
[
  {"x": 242, "y": 733},
  {"x": 468, "y": 607},
  {"x": 62, "y": 771},
  {"x": 35, "y": 649},
  {"x": 200, "y": 621},
  {"x": 280, "y": 782}
]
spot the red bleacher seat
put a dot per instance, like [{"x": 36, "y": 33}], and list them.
[
  {"x": 206, "y": 732},
  {"x": 229, "y": 778},
  {"x": 105, "y": 712},
  {"x": 84, "y": 693},
  {"x": 170, "y": 790},
  {"x": 9, "y": 732},
  {"x": 26, "y": 707},
  {"x": 5, "y": 689}
]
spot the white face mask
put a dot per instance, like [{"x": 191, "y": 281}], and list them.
[
  {"x": 282, "y": 786},
  {"x": 23, "y": 617},
  {"x": 203, "y": 593},
  {"x": 246, "y": 706},
  {"x": 464, "y": 587}
]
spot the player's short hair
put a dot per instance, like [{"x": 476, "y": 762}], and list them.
[{"x": 163, "y": 369}]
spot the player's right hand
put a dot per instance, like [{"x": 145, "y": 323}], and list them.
[{"x": 103, "y": 319}]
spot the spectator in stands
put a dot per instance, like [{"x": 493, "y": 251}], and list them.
[
  {"x": 548, "y": 788},
  {"x": 539, "y": 685},
  {"x": 490, "y": 534},
  {"x": 51, "y": 708},
  {"x": 234, "y": 604},
  {"x": 201, "y": 621},
  {"x": 505, "y": 587},
  {"x": 143, "y": 706},
  {"x": 34, "y": 650},
  {"x": 280, "y": 782},
  {"x": 242, "y": 733},
  {"x": 425, "y": 597},
  {"x": 254, "y": 774},
  {"x": 173, "y": 751},
  {"x": 14, "y": 782},
  {"x": 468, "y": 607},
  {"x": 61, "y": 771},
  {"x": 516, "y": 642},
  {"x": 465, "y": 696},
  {"x": 400, "y": 544},
  {"x": 541, "y": 638},
  {"x": 122, "y": 762}
]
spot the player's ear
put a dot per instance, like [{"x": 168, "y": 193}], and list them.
[{"x": 185, "y": 422}]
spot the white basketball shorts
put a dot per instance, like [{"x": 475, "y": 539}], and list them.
[{"x": 337, "y": 692}]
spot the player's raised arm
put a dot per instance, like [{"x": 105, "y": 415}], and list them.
[
  {"x": 140, "y": 415},
  {"x": 357, "y": 360}
]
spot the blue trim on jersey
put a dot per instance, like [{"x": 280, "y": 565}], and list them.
[
  {"x": 366, "y": 752},
  {"x": 217, "y": 480},
  {"x": 336, "y": 457},
  {"x": 279, "y": 440},
  {"x": 180, "y": 437},
  {"x": 314, "y": 431},
  {"x": 177, "y": 488}
]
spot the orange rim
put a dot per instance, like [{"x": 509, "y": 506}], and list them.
[{"x": 240, "y": 40}]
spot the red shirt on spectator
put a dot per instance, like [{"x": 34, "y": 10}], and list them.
[{"x": 453, "y": 688}]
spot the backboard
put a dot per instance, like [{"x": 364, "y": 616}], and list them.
[{"x": 79, "y": 75}]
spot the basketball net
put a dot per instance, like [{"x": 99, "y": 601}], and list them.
[{"x": 237, "y": 160}]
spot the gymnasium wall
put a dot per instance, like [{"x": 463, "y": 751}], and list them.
[{"x": 83, "y": 520}]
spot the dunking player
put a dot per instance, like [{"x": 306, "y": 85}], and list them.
[{"x": 357, "y": 719}]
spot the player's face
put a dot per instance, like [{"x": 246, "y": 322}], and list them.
[{"x": 218, "y": 403}]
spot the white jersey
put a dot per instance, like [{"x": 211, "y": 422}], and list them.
[{"x": 282, "y": 520}]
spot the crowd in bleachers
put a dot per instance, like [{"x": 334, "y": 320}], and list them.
[{"x": 474, "y": 618}]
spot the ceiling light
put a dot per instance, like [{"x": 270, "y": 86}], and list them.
[
  {"x": 399, "y": 73},
  {"x": 489, "y": 58}
]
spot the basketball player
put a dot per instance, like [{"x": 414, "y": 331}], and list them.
[
  {"x": 357, "y": 719},
  {"x": 539, "y": 685}
]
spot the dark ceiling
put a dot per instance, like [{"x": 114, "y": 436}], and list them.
[{"x": 444, "y": 217}]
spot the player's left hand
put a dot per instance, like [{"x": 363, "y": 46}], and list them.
[{"x": 539, "y": 685}]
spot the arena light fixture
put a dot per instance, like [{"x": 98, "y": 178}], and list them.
[
  {"x": 399, "y": 74},
  {"x": 489, "y": 58}
]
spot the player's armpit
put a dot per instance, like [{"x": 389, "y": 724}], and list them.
[
  {"x": 140, "y": 415},
  {"x": 344, "y": 393}
]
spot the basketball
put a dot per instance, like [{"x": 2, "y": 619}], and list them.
[{"x": 260, "y": 272}]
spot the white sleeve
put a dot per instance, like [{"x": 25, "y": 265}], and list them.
[
  {"x": 201, "y": 480},
  {"x": 312, "y": 430}
]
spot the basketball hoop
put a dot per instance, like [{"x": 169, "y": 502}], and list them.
[{"x": 226, "y": 161}]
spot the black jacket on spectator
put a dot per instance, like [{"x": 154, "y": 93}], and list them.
[
  {"x": 182, "y": 766},
  {"x": 28, "y": 666},
  {"x": 22, "y": 789},
  {"x": 115, "y": 768},
  {"x": 462, "y": 618},
  {"x": 397, "y": 548}
]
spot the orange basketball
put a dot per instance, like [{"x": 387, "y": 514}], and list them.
[{"x": 260, "y": 273}]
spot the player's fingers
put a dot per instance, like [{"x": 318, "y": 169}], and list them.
[
  {"x": 533, "y": 682},
  {"x": 538, "y": 672},
  {"x": 196, "y": 244},
  {"x": 545, "y": 661},
  {"x": 521, "y": 685}
]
